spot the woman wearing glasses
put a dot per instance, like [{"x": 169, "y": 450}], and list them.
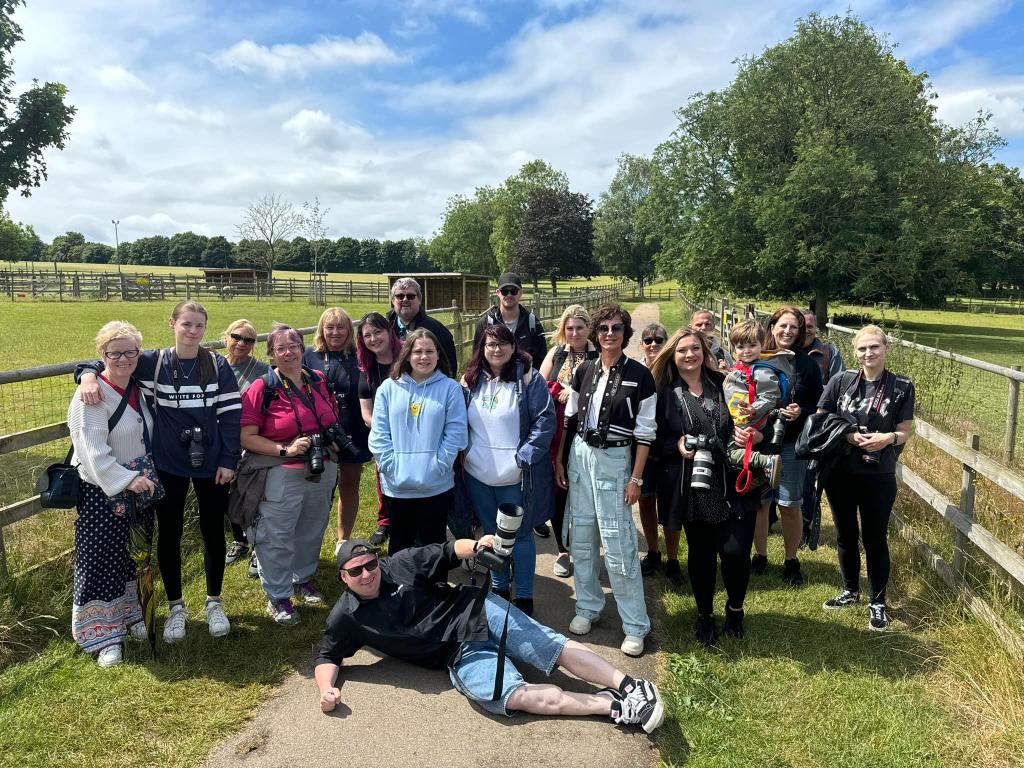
[
  {"x": 511, "y": 423},
  {"x": 652, "y": 339},
  {"x": 239, "y": 342},
  {"x": 105, "y": 608},
  {"x": 609, "y": 433}
]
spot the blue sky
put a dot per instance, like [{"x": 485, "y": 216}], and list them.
[{"x": 188, "y": 110}]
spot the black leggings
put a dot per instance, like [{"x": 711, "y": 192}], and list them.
[
  {"x": 705, "y": 544},
  {"x": 418, "y": 521},
  {"x": 873, "y": 496},
  {"x": 170, "y": 517}
]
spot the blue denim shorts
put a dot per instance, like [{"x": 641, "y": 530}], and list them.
[
  {"x": 473, "y": 670},
  {"x": 791, "y": 488}
]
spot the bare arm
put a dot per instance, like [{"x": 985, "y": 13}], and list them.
[{"x": 325, "y": 676}]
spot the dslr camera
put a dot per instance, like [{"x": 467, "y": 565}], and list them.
[
  {"x": 778, "y": 433},
  {"x": 315, "y": 454},
  {"x": 193, "y": 438},
  {"x": 335, "y": 435},
  {"x": 869, "y": 458},
  {"x": 496, "y": 558},
  {"x": 703, "y": 461}
]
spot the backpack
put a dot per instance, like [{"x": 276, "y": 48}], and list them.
[
  {"x": 768, "y": 380},
  {"x": 272, "y": 383}
]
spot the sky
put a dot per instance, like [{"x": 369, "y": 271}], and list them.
[{"x": 190, "y": 110}]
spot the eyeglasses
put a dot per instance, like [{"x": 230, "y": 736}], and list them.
[
  {"x": 129, "y": 354},
  {"x": 654, "y": 340},
  {"x": 494, "y": 346},
  {"x": 289, "y": 348},
  {"x": 357, "y": 570},
  {"x": 243, "y": 339},
  {"x": 617, "y": 328},
  {"x": 406, "y": 296},
  {"x": 509, "y": 290}
]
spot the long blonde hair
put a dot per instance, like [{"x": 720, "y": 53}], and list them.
[
  {"x": 572, "y": 312},
  {"x": 335, "y": 314}
]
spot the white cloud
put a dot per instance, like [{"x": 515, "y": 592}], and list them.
[
  {"x": 184, "y": 115},
  {"x": 314, "y": 129},
  {"x": 922, "y": 28},
  {"x": 288, "y": 59},
  {"x": 117, "y": 78},
  {"x": 970, "y": 86}
]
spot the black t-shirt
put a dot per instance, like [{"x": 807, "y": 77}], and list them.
[
  {"x": 417, "y": 617},
  {"x": 368, "y": 385},
  {"x": 860, "y": 403}
]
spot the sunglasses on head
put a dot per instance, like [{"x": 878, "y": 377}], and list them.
[
  {"x": 406, "y": 296},
  {"x": 509, "y": 290},
  {"x": 357, "y": 570},
  {"x": 654, "y": 340},
  {"x": 617, "y": 328},
  {"x": 243, "y": 339}
]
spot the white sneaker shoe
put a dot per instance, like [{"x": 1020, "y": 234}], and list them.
[
  {"x": 174, "y": 627},
  {"x": 632, "y": 646},
  {"x": 563, "y": 565},
  {"x": 109, "y": 656},
  {"x": 580, "y": 625},
  {"x": 138, "y": 631},
  {"x": 216, "y": 618}
]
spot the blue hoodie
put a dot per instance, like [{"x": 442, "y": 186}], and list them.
[{"x": 416, "y": 434}]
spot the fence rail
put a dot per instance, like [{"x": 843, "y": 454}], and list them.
[{"x": 21, "y": 435}]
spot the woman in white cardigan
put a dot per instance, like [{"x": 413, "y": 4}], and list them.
[{"x": 105, "y": 605}]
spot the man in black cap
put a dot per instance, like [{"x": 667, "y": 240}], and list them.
[
  {"x": 521, "y": 321},
  {"x": 403, "y": 606}
]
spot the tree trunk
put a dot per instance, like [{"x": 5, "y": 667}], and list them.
[
  {"x": 640, "y": 286},
  {"x": 554, "y": 285},
  {"x": 820, "y": 307}
]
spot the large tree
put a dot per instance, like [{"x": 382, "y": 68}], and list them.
[
  {"x": 464, "y": 242},
  {"x": 186, "y": 249},
  {"x": 218, "y": 252},
  {"x": 31, "y": 122},
  {"x": 272, "y": 222},
  {"x": 509, "y": 204},
  {"x": 556, "y": 238},
  {"x": 66, "y": 248},
  {"x": 624, "y": 241},
  {"x": 818, "y": 171},
  {"x": 17, "y": 242}
]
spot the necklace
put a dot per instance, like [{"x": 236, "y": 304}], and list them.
[{"x": 190, "y": 371}]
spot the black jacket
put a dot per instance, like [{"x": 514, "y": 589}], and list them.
[
  {"x": 806, "y": 391},
  {"x": 529, "y": 332},
  {"x": 444, "y": 336}
]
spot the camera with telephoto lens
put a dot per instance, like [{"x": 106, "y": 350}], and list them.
[
  {"x": 703, "y": 461},
  {"x": 315, "y": 455},
  {"x": 193, "y": 438},
  {"x": 496, "y": 557},
  {"x": 867, "y": 457},
  {"x": 335, "y": 435},
  {"x": 778, "y": 433}
]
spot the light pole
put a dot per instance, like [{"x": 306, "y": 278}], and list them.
[{"x": 117, "y": 245}]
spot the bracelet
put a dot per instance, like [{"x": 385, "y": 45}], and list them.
[
  {"x": 895, "y": 438},
  {"x": 637, "y": 481}
]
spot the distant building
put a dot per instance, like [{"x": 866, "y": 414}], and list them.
[{"x": 440, "y": 289}]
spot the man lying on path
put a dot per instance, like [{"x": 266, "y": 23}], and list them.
[{"x": 403, "y": 606}]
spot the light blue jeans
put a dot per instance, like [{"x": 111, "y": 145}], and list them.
[
  {"x": 486, "y": 499},
  {"x": 599, "y": 517}
]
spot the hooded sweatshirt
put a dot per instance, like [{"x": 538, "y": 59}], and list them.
[{"x": 417, "y": 431}]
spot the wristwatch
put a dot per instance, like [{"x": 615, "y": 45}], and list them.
[
  {"x": 895, "y": 438},
  {"x": 637, "y": 481},
  {"x": 282, "y": 451}
]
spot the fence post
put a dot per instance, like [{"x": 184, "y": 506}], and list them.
[
  {"x": 966, "y": 506},
  {"x": 1010, "y": 440},
  {"x": 4, "y": 574},
  {"x": 459, "y": 335}
]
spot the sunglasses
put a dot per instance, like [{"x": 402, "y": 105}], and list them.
[
  {"x": 654, "y": 340},
  {"x": 617, "y": 328},
  {"x": 357, "y": 570},
  {"x": 243, "y": 339},
  {"x": 509, "y": 290},
  {"x": 406, "y": 296}
]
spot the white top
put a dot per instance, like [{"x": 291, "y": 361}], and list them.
[
  {"x": 493, "y": 433},
  {"x": 99, "y": 454}
]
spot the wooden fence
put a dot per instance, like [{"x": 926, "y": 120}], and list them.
[{"x": 462, "y": 326}]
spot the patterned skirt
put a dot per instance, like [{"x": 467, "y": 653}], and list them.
[{"x": 105, "y": 602}]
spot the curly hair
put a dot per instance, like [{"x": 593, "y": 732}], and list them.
[{"x": 606, "y": 313}]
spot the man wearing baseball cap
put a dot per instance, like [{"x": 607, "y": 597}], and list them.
[
  {"x": 521, "y": 321},
  {"x": 403, "y": 606}
]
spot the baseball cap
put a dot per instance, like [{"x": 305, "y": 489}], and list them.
[
  {"x": 510, "y": 278},
  {"x": 353, "y": 548}
]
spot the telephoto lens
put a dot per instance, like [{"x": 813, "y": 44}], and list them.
[
  {"x": 510, "y": 518},
  {"x": 315, "y": 454},
  {"x": 703, "y": 470}
]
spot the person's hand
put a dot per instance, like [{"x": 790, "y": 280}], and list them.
[
  {"x": 563, "y": 396},
  {"x": 141, "y": 484},
  {"x": 486, "y": 542},
  {"x": 329, "y": 699},
  {"x": 791, "y": 412},
  {"x": 744, "y": 410},
  {"x": 298, "y": 447},
  {"x": 853, "y": 438},
  {"x": 89, "y": 389},
  {"x": 632, "y": 493},
  {"x": 874, "y": 441},
  {"x": 560, "y": 478},
  {"x": 722, "y": 365},
  {"x": 683, "y": 450},
  {"x": 742, "y": 434},
  {"x": 224, "y": 476}
]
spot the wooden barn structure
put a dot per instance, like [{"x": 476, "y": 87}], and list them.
[
  {"x": 440, "y": 289},
  {"x": 234, "y": 275}
]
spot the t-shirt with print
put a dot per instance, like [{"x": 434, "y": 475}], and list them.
[{"x": 861, "y": 404}]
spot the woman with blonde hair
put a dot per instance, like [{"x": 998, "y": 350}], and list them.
[{"x": 334, "y": 354}]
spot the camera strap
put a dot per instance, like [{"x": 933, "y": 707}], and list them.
[
  {"x": 881, "y": 387},
  {"x": 307, "y": 399}
]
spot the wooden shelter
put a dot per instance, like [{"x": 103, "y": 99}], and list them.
[
  {"x": 234, "y": 275},
  {"x": 440, "y": 289}
]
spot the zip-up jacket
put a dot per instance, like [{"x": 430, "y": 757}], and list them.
[
  {"x": 630, "y": 411},
  {"x": 423, "y": 320},
  {"x": 529, "y": 333}
]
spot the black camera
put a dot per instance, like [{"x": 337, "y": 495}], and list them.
[
  {"x": 193, "y": 438},
  {"x": 509, "y": 519},
  {"x": 335, "y": 435},
  {"x": 778, "y": 433},
  {"x": 703, "y": 461},
  {"x": 867, "y": 457},
  {"x": 315, "y": 455}
]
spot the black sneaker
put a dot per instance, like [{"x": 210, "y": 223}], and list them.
[
  {"x": 378, "y": 537},
  {"x": 524, "y": 604},
  {"x": 791, "y": 573},
  {"x": 543, "y": 531},
  {"x": 878, "y": 617},
  {"x": 844, "y": 599},
  {"x": 705, "y": 630},
  {"x": 504, "y": 594},
  {"x": 650, "y": 562},
  {"x": 642, "y": 705},
  {"x": 236, "y": 552},
  {"x": 733, "y": 623},
  {"x": 758, "y": 565},
  {"x": 674, "y": 573}
]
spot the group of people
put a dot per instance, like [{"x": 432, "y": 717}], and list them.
[{"x": 574, "y": 434}]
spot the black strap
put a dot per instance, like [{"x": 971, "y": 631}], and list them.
[
  {"x": 499, "y": 673},
  {"x": 309, "y": 401},
  {"x": 119, "y": 411}
]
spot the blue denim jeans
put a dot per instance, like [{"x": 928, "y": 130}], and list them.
[
  {"x": 529, "y": 642},
  {"x": 486, "y": 499},
  {"x": 791, "y": 488},
  {"x": 599, "y": 517}
]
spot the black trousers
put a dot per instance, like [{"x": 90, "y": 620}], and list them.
[
  {"x": 170, "y": 518},
  {"x": 872, "y": 496},
  {"x": 418, "y": 521},
  {"x": 706, "y": 544}
]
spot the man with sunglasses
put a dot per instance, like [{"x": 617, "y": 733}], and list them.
[
  {"x": 525, "y": 326},
  {"x": 408, "y": 313},
  {"x": 403, "y": 606}
]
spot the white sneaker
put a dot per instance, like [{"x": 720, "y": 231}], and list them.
[
  {"x": 174, "y": 627},
  {"x": 563, "y": 565},
  {"x": 138, "y": 631},
  {"x": 216, "y": 618},
  {"x": 109, "y": 656},
  {"x": 632, "y": 646},
  {"x": 580, "y": 625}
]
